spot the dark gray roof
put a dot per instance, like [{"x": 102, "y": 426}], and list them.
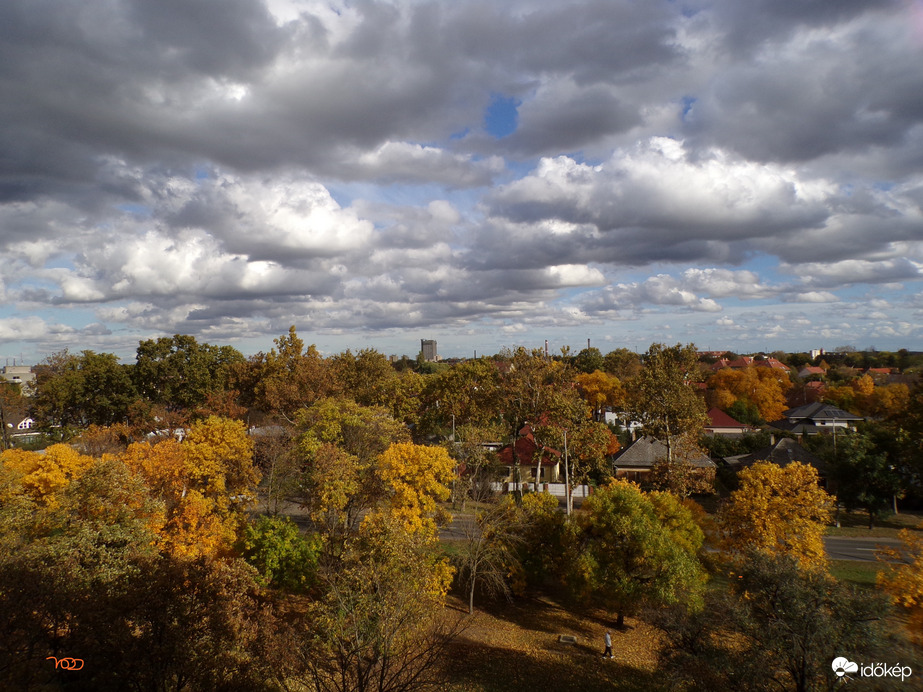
[
  {"x": 783, "y": 453},
  {"x": 646, "y": 451},
  {"x": 819, "y": 410}
]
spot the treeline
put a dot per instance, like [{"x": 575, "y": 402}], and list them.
[{"x": 135, "y": 549}]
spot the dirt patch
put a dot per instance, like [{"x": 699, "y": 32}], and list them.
[{"x": 516, "y": 647}]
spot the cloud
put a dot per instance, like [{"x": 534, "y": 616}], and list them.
[{"x": 229, "y": 168}]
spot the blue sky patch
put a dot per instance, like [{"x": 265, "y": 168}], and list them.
[{"x": 502, "y": 116}]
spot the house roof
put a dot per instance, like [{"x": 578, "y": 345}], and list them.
[
  {"x": 526, "y": 449},
  {"x": 783, "y": 453},
  {"x": 773, "y": 363},
  {"x": 820, "y": 411},
  {"x": 644, "y": 452},
  {"x": 719, "y": 419},
  {"x": 811, "y": 370}
]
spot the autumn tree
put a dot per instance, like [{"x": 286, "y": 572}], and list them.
[
  {"x": 681, "y": 476},
  {"x": 205, "y": 482},
  {"x": 629, "y": 558},
  {"x": 467, "y": 393},
  {"x": 488, "y": 554},
  {"x": 380, "y": 624},
  {"x": 601, "y": 390},
  {"x": 662, "y": 397},
  {"x": 414, "y": 479},
  {"x": 365, "y": 376},
  {"x": 778, "y": 510},
  {"x": 760, "y": 387},
  {"x": 49, "y": 472},
  {"x": 902, "y": 577}
]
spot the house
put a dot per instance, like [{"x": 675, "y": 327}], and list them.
[
  {"x": 782, "y": 452},
  {"x": 536, "y": 463},
  {"x": 773, "y": 363},
  {"x": 811, "y": 371},
  {"x": 637, "y": 459},
  {"x": 815, "y": 418},
  {"x": 720, "y": 423}
]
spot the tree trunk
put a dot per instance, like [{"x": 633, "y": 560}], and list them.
[
  {"x": 471, "y": 596},
  {"x": 620, "y": 620}
]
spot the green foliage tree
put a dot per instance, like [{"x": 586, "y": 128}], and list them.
[
  {"x": 180, "y": 373},
  {"x": 629, "y": 558},
  {"x": 589, "y": 360},
  {"x": 778, "y": 627},
  {"x": 380, "y": 624},
  {"x": 662, "y": 398},
  {"x": 865, "y": 478},
  {"x": 77, "y": 391},
  {"x": 276, "y": 548}
]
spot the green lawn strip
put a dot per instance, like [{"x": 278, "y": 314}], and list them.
[
  {"x": 857, "y": 572},
  {"x": 856, "y": 525}
]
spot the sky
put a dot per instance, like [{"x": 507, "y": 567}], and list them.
[{"x": 741, "y": 175}]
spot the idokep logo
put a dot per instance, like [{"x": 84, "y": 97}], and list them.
[{"x": 842, "y": 666}]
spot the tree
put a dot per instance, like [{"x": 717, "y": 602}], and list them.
[
  {"x": 47, "y": 473},
  {"x": 627, "y": 556},
  {"x": 488, "y": 554},
  {"x": 759, "y": 387},
  {"x": 661, "y": 397},
  {"x": 180, "y": 373},
  {"x": 414, "y": 478},
  {"x": 601, "y": 390},
  {"x": 777, "y": 628},
  {"x": 365, "y": 377},
  {"x": 276, "y": 548},
  {"x": 680, "y": 476},
  {"x": 468, "y": 392},
  {"x": 902, "y": 578},
  {"x": 92, "y": 388},
  {"x": 622, "y": 363},
  {"x": 589, "y": 360},
  {"x": 204, "y": 482},
  {"x": 778, "y": 510},
  {"x": 380, "y": 624},
  {"x": 865, "y": 479}
]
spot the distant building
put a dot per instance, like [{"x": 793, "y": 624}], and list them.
[
  {"x": 19, "y": 374},
  {"x": 428, "y": 347}
]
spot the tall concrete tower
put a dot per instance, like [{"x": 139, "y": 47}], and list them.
[{"x": 428, "y": 346}]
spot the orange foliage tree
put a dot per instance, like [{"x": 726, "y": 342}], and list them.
[{"x": 762, "y": 387}]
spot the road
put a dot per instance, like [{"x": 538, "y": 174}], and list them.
[
  {"x": 863, "y": 549},
  {"x": 838, "y": 547}
]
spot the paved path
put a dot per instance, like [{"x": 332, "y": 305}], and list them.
[{"x": 849, "y": 548}]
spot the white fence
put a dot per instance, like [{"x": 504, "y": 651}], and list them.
[{"x": 556, "y": 489}]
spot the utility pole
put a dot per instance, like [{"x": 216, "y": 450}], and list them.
[{"x": 566, "y": 477}]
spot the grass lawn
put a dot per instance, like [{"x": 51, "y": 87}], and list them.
[
  {"x": 856, "y": 572},
  {"x": 515, "y": 646},
  {"x": 856, "y": 525}
]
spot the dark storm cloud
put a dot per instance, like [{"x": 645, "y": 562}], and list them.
[{"x": 207, "y": 165}]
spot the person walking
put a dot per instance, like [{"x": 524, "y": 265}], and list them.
[{"x": 608, "y": 652}]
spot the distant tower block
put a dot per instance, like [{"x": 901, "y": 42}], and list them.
[{"x": 428, "y": 346}]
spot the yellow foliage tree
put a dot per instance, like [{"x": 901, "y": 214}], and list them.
[
  {"x": 763, "y": 387},
  {"x": 778, "y": 510},
  {"x": 601, "y": 389},
  {"x": 415, "y": 477},
  {"x": 44, "y": 475},
  {"x": 203, "y": 481},
  {"x": 902, "y": 578}
]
